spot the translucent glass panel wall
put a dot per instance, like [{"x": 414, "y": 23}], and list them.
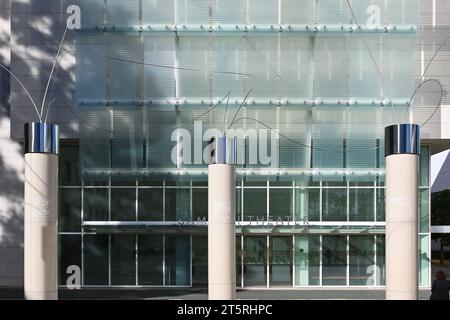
[{"x": 120, "y": 14}]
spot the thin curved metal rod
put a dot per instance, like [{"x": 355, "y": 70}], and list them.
[{"x": 23, "y": 87}]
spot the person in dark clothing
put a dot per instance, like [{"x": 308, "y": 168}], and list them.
[{"x": 441, "y": 287}]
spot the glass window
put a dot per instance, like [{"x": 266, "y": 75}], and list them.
[
  {"x": 255, "y": 259},
  {"x": 361, "y": 204},
  {"x": 124, "y": 180},
  {"x": 96, "y": 204},
  {"x": 334, "y": 260},
  {"x": 362, "y": 260},
  {"x": 255, "y": 204},
  {"x": 96, "y": 260},
  {"x": 69, "y": 166},
  {"x": 424, "y": 166},
  {"x": 123, "y": 263},
  {"x": 123, "y": 204},
  {"x": 381, "y": 205},
  {"x": 177, "y": 204},
  {"x": 178, "y": 260},
  {"x": 199, "y": 203},
  {"x": 424, "y": 260},
  {"x": 200, "y": 261},
  {"x": 307, "y": 204},
  {"x": 280, "y": 260},
  {"x": 238, "y": 204},
  {"x": 280, "y": 203},
  {"x": 424, "y": 207},
  {"x": 307, "y": 260},
  {"x": 334, "y": 205},
  {"x": 381, "y": 260},
  {"x": 69, "y": 255},
  {"x": 150, "y": 204},
  {"x": 150, "y": 260},
  {"x": 70, "y": 210},
  {"x": 238, "y": 261}
]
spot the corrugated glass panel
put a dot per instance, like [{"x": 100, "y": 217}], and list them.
[
  {"x": 263, "y": 12},
  {"x": 159, "y": 69},
  {"x": 127, "y": 142},
  {"x": 192, "y": 11},
  {"x": 158, "y": 12},
  {"x": 332, "y": 12},
  {"x": 399, "y": 66},
  {"x": 297, "y": 12},
  {"x": 122, "y": 14},
  {"x": 364, "y": 79},
  {"x": 124, "y": 71},
  {"x": 228, "y": 12},
  {"x": 92, "y": 13},
  {"x": 95, "y": 137},
  {"x": 229, "y": 66},
  {"x": 263, "y": 63},
  {"x": 331, "y": 60},
  {"x": 194, "y": 54},
  {"x": 91, "y": 67}
]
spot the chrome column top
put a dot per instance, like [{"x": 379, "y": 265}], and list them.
[
  {"x": 41, "y": 137},
  {"x": 402, "y": 139},
  {"x": 224, "y": 150}
]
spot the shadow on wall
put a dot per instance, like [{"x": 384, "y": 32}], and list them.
[
  {"x": 28, "y": 49},
  {"x": 11, "y": 173}
]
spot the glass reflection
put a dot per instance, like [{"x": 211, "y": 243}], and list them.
[
  {"x": 362, "y": 260},
  {"x": 255, "y": 259},
  {"x": 334, "y": 205},
  {"x": 150, "y": 258},
  {"x": 178, "y": 260},
  {"x": 123, "y": 265},
  {"x": 307, "y": 260},
  {"x": 280, "y": 260},
  {"x": 334, "y": 260}
]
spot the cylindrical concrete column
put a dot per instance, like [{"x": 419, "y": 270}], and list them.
[
  {"x": 221, "y": 222},
  {"x": 402, "y": 171},
  {"x": 41, "y": 211}
]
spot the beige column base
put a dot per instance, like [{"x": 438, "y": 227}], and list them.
[
  {"x": 41, "y": 227},
  {"x": 221, "y": 232},
  {"x": 401, "y": 227}
]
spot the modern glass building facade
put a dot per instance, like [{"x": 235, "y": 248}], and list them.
[{"x": 307, "y": 89}]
